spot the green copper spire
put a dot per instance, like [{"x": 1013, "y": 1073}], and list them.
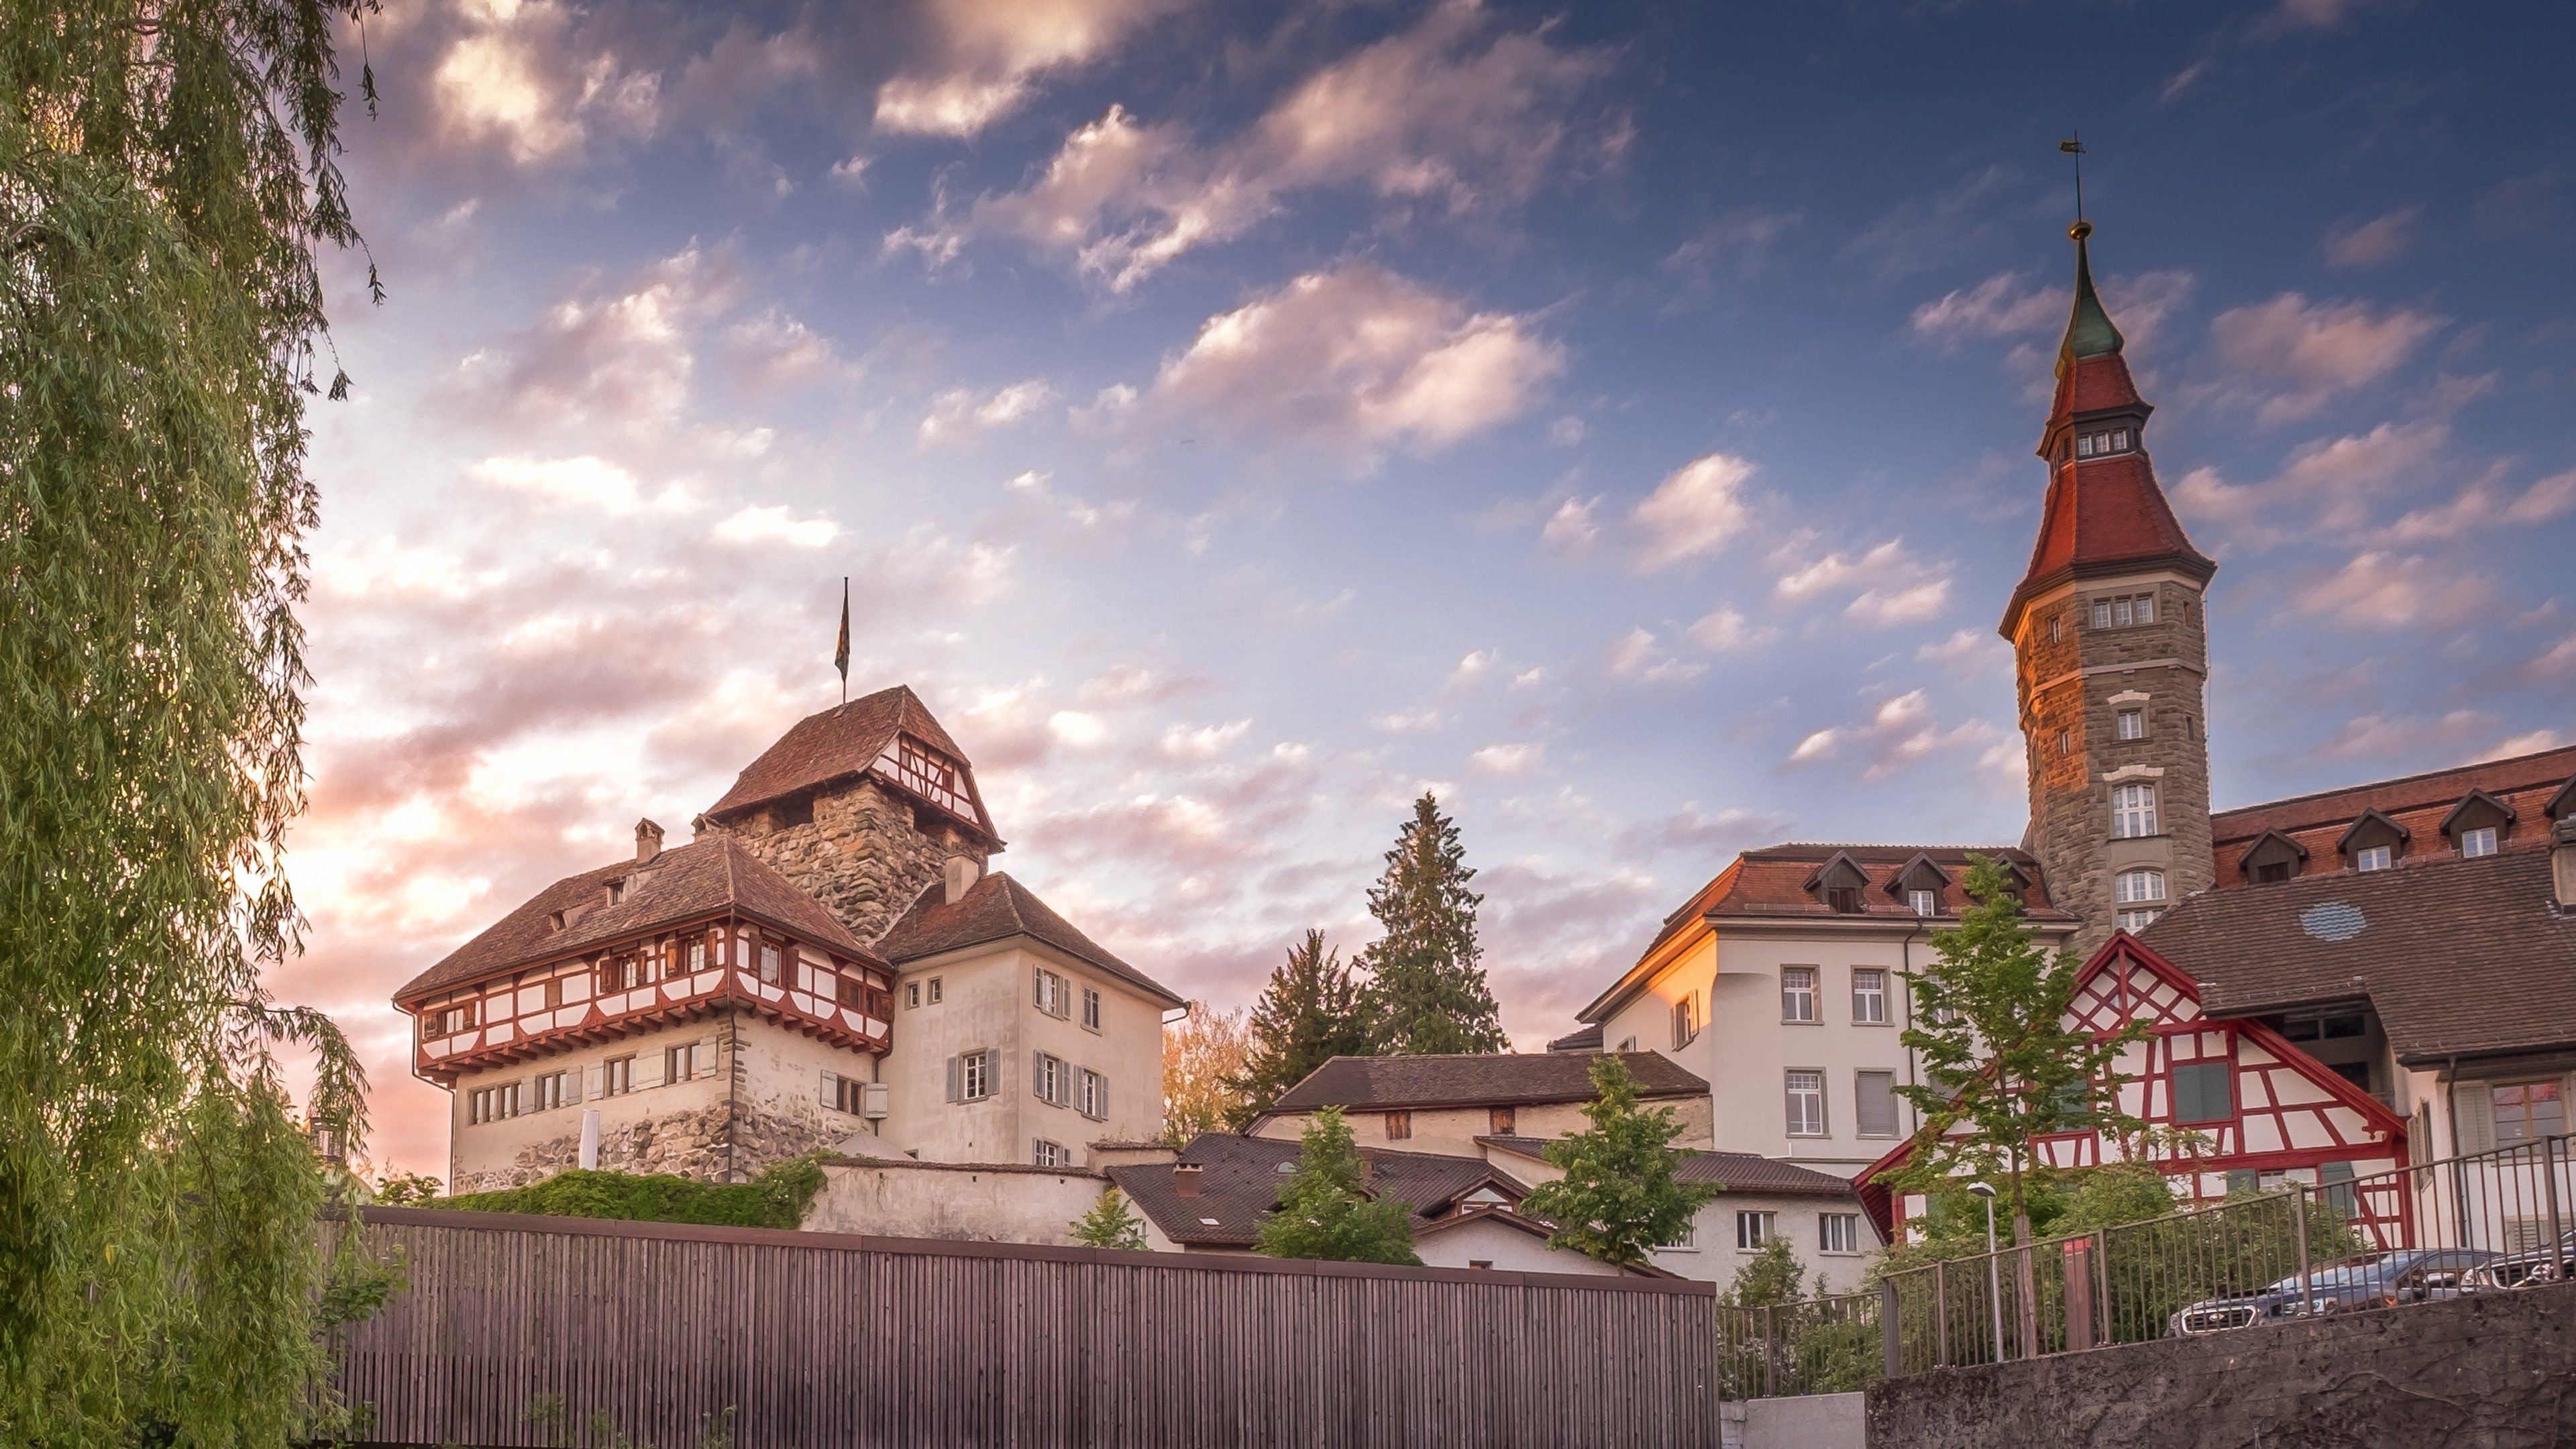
[{"x": 2089, "y": 332}]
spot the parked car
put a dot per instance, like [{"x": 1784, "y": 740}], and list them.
[
  {"x": 2528, "y": 1268},
  {"x": 2374, "y": 1280}
]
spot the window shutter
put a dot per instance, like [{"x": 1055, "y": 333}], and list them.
[
  {"x": 831, "y": 1089},
  {"x": 597, "y": 1072},
  {"x": 956, "y": 1066},
  {"x": 1876, "y": 1104},
  {"x": 992, "y": 1071},
  {"x": 648, "y": 1069},
  {"x": 572, "y": 1088},
  {"x": 2472, "y": 1117},
  {"x": 706, "y": 1056}
]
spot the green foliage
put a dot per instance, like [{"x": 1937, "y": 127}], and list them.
[
  {"x": 777, "y": 1198},
  {"x": 1427, "y": 994},
  {"x": 1326, "y": 1212},
  {"x": 1619, "y": 1197},
  {"x": 166, "y": 174},
  {"x": 1772, "y": 1276},
  {"x": 1111, "y": 1223},
  {"x": 1203, "y": 1054},
  {"x": 407, "y": 1189},
  {"x": 1307, "y": 1015},
  {"x": 1989, "y": 1019}
]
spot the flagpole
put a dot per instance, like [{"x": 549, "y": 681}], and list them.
[{"x": 841, "y": 649}]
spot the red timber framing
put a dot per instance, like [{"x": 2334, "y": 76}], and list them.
[
  {"x": 2284, "y": 1117},
  {"x": 726, "y": 962}
]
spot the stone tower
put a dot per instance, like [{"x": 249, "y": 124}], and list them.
[
  {"x": 861, "y": 807},
  {"x": 2110, "y": 643}
]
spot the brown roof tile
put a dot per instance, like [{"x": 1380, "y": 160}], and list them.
[
  {"x": 1498, "y": 1079},
  {"x": 2104, "y": 514},
  {"x": 2457, "y": 956},
  {"x": 997, "y": 908},
  {"x": 2418, "y": 804},
  {"x": 1240, "y": 1179},
  {"x": 837, "y": 743},
  {"x": 1733, "y": 1171},
  {"x": 687, "y": 882}
]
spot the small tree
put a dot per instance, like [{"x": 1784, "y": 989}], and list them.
[
  {"x": 1620, "y": 1197},
  {"x": 1111, "y": 1223},
  {"x": 1771, "y": 1277},
  {"x": 1307, "y": 1015},
  {"x": 1427, "y": 992},
  {"x": 1203, "y": 1054},
  {"x": 1326, "y": 1212}
]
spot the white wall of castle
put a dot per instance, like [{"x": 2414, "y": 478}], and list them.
[{"x": 977, "y": 1203}]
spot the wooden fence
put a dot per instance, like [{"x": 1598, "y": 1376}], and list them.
[{"x": 535, "y": 1331}]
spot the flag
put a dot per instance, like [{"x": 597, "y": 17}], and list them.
[{"x": 841, "y": 650}]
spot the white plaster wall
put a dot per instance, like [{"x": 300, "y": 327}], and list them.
[
  {"x": 1648, "y": 1019},
  {"x": 1750, "y": 1050},
  {"x": 780, "y": 1081},
  {"x": 1711, "y": 1255},
  {"x": 974, "y": 1203},
  {"x": 485, "y": 1147},
  {"x": 1503, "y": 1249}
]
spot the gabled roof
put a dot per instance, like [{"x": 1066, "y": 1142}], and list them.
[
  {"x": 1581, "y": 1039},
  {"x": 2371, "y": 819},
  {"x": 998, "y": 908},
  {"x": 1472, "y": 1080},
  {"x": 839, "y": 743},
  {"x": 2465, "y": 956},
  {"x": 2406, "y": 794},
  {"x": 1240, "y": 1179},
  {"x": 708, "y": 876},
  {"x": 1732, "y": 1171},
  {"x": 2477, "y": 800}
]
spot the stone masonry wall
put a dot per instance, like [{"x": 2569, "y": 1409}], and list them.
[
  {"x": 2070, "y": 802},
  {"x": 2489, "y": 1371},
  {"x": 865, "y": 855}
]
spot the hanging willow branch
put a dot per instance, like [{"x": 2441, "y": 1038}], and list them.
[{"x": 167, "y": 173}]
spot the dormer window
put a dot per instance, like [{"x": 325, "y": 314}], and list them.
[
  {"x": 2478, "y": 842},
  {"x": 2373, "y": 842},
  {"x": 2374, "y": 857},
  {"x": 555, "y": 922},
  {"x": 1844, "y": 900},
  {"x": 2084, "y": 446},
  {"x": 2477, "y": 825},
  {"x": 616, "y": 892},
  {"x": 1838, "y": 884},
  {"x": 1924, "y": 903}
]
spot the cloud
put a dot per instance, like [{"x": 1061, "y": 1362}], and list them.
[
  {"x": 1472, "y": 667},
  {"x": 2338, "y": 486},
  {"x": 1888, "y": 585},
  {"x": 2529, "y": 743},
  {"x": 1738, "y": 244},
  {"x": 2484, "y": 504},
  {"x": 514, "y": 77},
  {"x": 2390, "y": 591},
  {"x": 625, "y": 357},
  {"x": 2556, "y": 661},
  {"x": 1898, "y": 732},
  {"x": 1925, "y": 232},
  {"x": 1636, "y": 656},
  {"x": 772, "y": 523},
  {"x": 1408, "y": 721},
  {"x": 2531, "y": 208},
  {"x": 2294, "y": 356},
  {"x": 958, "y": 414},
  {"x": 2375, "y": 242},
  {"x": 2384, "y": 735},
  {"x": 1572, "y": 528},
  {"x": 1207, "y": 742},
  {"x": 2003, "y": 305},
  {"x": 1724, "y": 630},
  {"x": 1450, "y": 115},
  {"x": 586, "y": 483},
  {"x": 1358, "y": 358},
  {"x": 1696, "y": 511},
  {"x": 990, "y": 54},
  {"x": 1509, "y": 761}
]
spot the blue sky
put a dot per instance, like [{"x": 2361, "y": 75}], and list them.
[{"x": 1237, "y": 418}]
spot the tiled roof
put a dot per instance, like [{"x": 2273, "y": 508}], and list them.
[
  {"x": 1581, "y": 1039},
  {"x": 1497, "y": 1080},
  {"x": 836, "y": 743},
  {"x": 2104, "y": 514},
  {"x": 2457, "y": 956},
  {"x": 711, "y": 874},
  {"x": 2418, "y": 803},
  {"x": 1240, "y": 1179},
  {"x": 997, "y": 908},
  {"x": 1733, "y": 1171}
]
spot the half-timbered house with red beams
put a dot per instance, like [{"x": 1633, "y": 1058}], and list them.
[{"x": 2243, "y": 1107}]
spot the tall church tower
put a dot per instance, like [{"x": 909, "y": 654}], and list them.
[{"x": 2110, "y": 643}]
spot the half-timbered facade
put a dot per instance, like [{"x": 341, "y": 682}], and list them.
[{"x": 2235, "y": 1105}]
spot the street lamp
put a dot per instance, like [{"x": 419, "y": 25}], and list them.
[{"x": 1994, "y": 1278}]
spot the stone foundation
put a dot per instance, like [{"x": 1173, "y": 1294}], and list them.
[{"x": 865, "y": 854}]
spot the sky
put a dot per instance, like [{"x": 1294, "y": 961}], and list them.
[{"x": 1236, "y": 419}]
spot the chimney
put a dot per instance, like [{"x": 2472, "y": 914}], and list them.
[
  {"x": 1185, "y": 1179},
  {"x": 648, "y": 841},
  {"x": 2562, "y": 861},
  {"x": 960, "y": 875}
]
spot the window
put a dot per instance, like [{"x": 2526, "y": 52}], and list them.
[
  {"x": 555, "y": 1089},
  {"x": 970, "y": 1076},
  {"x": 1869, "y": 995},
  {"x": 2132, "y": 724},
  {"x": 1399, "y": 1126},
  {"x": 911, "y": 995},
  {"x": 1091, "y": 1095},
  {"x": 1924, "y": 903},
  {"x": 2374, "y": 857},
  {"x": 2119, "y": 438},
  {"x": 845, "y": 1094},
  {"x": 2136, "y": 921},
  {"x": 1753, "y": 1229},
  {"x": 617, "y": 1076},
  {"x": 1843, "y": 900},
  {"x": 2481, "y": 841},
  {"x": 853, "y": 992},
  {"x": 616, "y": 892},
  {"x": 2266, "y": 874},
  {"x": 680, "y": 1063},
  {"x": 1874, "y": 1103},
  {"x": 1838, "y": 1232},
  {"x": 2138, "y": 885},
  {"x": 1050, "y": 994},
  {"x": 2124, "y": 612},
  {"x": 1051, "y": 1154},
  {"x": 1627, "y": 1044},
  {"x": 2065, "y": 742},
  {"x": 1502, "y": 1120},
  {"x": 494, "y": 1104},
  {"x": 1797, "y": 993},
  {"x": 694, "y": 955},
  {"x": 936, "y": 993},
  {"x": 2204, "y": 1092},
  {"x": 2084, "y": 446},
  {"x": 2133, "y": 811},
  {"x": 1049, "y": 1081},
  {"x": 2056, "y": 627},
  {"x": 448, "y": 1022},
  {"x": 623, "y": 974},
  {"x": 769, "y": 963},
  {"x": 2190, "y": 728},
  {"x": 1806, "y": 1104},
  {"x": 1685, "y": 1019},
  {"x": 1091, "y": 1008},
  {"x": 2528, "y": 1111}
]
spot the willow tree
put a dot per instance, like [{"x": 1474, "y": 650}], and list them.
[{"x": 166, "y": 178}]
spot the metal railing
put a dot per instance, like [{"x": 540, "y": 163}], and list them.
[
  {"x": 2480, "y": 1222},
  {"x": 1813, "y": 1346}
]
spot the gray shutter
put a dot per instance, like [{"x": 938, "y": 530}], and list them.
[
  {"x": 648, "y": 1068},
  {"x": 1103, "y": 1103},
  {"x": 956, "y": 1067},
  {"x": 1876, "y": 1103},
  {"x": 2472, "y": 1117},
  {"x": 992, "y": 1071},
  {"x": 707, "y": 1056},
  {"x": 832, "y": 1089},
  {"x": 597, "y": 1072},
  {"x": 572, "y": 1088}
]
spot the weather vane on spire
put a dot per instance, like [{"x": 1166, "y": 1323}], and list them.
[{"x": 2074, "y": 146}]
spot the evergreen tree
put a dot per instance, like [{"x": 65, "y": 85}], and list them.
[
  {"x": 1620, "y": 1197},
  {"x": 1427, "y": 992},
  {"x": 1326, "y": 1212},
  {"x": 1111, "y": 1223},
  {"x": 1307, "y": 1015}
]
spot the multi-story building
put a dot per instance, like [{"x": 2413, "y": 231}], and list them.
[{"x": 829, "y": 964}]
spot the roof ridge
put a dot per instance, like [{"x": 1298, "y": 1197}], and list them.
[{"x": 2393, "y": 780}]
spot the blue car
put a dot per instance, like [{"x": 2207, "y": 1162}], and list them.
[{"x": 2374, "y": 1280}]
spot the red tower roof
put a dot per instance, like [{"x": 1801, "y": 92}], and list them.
[{"x": 2105, "y": 512}]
